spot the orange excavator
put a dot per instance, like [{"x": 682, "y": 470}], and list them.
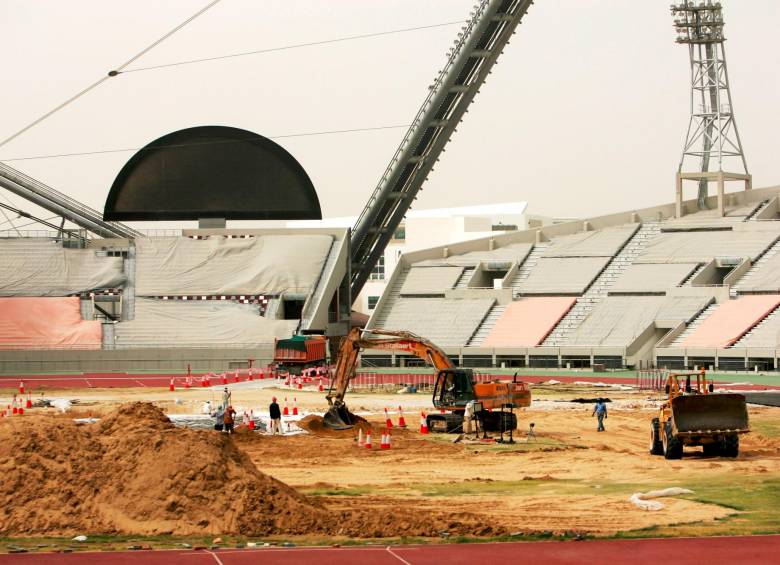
[{"x": 453, "y": 387}]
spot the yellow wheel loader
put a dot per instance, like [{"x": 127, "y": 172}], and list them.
[{"x": 696, "y": 415}]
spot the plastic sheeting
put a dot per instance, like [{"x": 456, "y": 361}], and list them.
[
  {"x": 731, "y": 320},
  {"x": 46, "y": 323},
  {"x": 650, "y": 277},
  {"x": 430, "y": 280},
  {"x": 570, "y": 275},
  {"x": 208, "y": 323},
  {"x": 42, "y": 267},
  {"x": 526, "y": 322},
  {"x": 269, "y": 264},
  {"x": 512, "y": 253},
  {"x": 618, "y": 320},
  {"x": 600, "y": 243},
  {"x": 446, "y": 322},
  {"x": 703, "y": 246}
]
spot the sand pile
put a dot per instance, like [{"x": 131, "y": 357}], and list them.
[
  {"x": 315, "y": 425},
  {"x": 134, "y": 472}
]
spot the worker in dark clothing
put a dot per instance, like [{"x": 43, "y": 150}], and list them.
[
  {"x": 276, "y": 417},
  {"x": 229, "y": 419},
  {"x": 600, "y": 411}
]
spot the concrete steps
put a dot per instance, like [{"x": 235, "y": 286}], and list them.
[
  {"x": 703, "y": 315},
  {"x": 487, "y": 325},
  {"x": 764, "y": 258},
  {"x": 525, "y": 269}
]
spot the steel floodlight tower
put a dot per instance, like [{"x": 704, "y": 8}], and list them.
[{"x": 712, "y": 139}]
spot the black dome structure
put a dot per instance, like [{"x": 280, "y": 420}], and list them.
[{"x": 212, "y": 172}]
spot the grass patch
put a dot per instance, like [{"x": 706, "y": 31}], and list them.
[{"x": 766, "y": 428}]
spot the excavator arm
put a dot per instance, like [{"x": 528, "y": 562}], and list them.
[{"x": 338, "y": 417}]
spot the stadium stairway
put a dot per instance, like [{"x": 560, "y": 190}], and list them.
[
  {"x": 527, "y": 266},
  {"x": 695, "y": 323},
  {"x": 689, "y": 279},
  {"x": 392, "y": 297},
  {"x": 465, "y": 277},
  {"x": 603, "y": 283},
  {"x": 765, "y": 257},
  {"x": 487, "y": 325}
]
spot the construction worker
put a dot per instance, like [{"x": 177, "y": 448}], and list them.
[
  {"x": 229, "y": 419},
  {"x": 276, "y": 417},
  {"x": 219, "y": 416},
  {"x": 206, "y": 409},
  {"x": 600, "y": 411},
  {"x": 468, "y": 416}
]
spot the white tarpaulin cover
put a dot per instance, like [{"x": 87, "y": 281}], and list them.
[
  {"x": 42, "y": 267},
  {"x": 161, "y": 323},
  {"x": 618, "y": 320},
  {"x": 599, "y": 243},
  {"x": 430, "y": 280},
  {"x": 269, "y": 264}
]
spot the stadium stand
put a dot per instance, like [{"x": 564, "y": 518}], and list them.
[
  {"x": 642, "y": 288},
  {"x": 43, "y": 267},
  {"x": 562, "y": 275},
  {"x": 649, "y": 278},
  {"x": 430, "y": 280},
  {"x": 731, "y": 320},
  {"x": 526, "y": 322},
  {"x": 444, "y": 321},
  {"x": 46, "y": 323}
]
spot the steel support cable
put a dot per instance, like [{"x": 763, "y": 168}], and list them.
[
  {"x": 293, "y": 46},
  {"x": 283, "y": 136},
  {"x": 112, "y": 73}
]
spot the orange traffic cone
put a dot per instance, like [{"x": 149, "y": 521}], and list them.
[
  {"x": 383, "y": 441},
  {"x": 235, "y": 377},
  {"x": 367, "y": 445},
  {"x": 286, "y": 411},
  {"x": 251, "y": 375},
  {"x": 387, "y": 441},
  {"x": 295, "y": 406},
  {"x": 251, "y": 419},
  {"x": 14, "y": 410},
  {"x": 320, "y": 387},
  {"x": 388, "y": 421},
  {"x": 361, "y": 441},
  {"x": 300, "y": 384},
  {"x": 21, "y": 409},
  {"x": 21, "y": 387},
  {"x": 423, "y": 424},
  {"x": 28, "y": 404},
  {"x": 224, "y": 378},
  {"x": 401, "y": 420},
  {"x": 188, "y": 382},
  {"x": 171, "y": 387}
]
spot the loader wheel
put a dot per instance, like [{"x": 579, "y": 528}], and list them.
[
  {"x": 673, "y": 447},
  {"x": 656, "y": 445},
  {"x": 730, "y": 446}
]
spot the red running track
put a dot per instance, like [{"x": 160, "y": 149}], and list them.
[
  {"x": 162, "y": 380},
  {"x": 694, "y": 551}
]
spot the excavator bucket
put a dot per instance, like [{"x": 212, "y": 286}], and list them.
[
  {"x": 710, "y": 413},
  {"x": 338, "y": 418}
]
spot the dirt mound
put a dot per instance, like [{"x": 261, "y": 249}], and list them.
[
  {"x": 135, "y": 473},
  {"x": 315, "y": 425}
]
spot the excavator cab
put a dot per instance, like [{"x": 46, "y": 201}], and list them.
[{"x": 453, "y": 388}]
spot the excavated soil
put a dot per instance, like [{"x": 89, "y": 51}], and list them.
[
  {"x": 316, "y": 425},
  {"x": 133, "y": 472}
]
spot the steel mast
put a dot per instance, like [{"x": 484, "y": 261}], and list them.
[{"x": 475, "y": 51}]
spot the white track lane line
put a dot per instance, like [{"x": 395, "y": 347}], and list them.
[
  {"x": 214, "y": 555},
  {"x": 401, "y": 559}
]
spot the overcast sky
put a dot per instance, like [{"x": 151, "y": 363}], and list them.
[{"x": 584, "y": 114}]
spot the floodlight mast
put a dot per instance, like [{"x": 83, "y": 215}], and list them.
[{"x": 712, "y": 138}]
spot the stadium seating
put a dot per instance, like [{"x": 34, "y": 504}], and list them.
[
  {"x": 731, "y": 320},
  {"x": 526, "y": 322}
]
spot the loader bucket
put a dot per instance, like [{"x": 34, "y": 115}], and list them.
[
  {"x": 710, "y": 413},
  {"x": 338, "y": 418}
]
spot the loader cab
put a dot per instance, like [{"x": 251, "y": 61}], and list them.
[{"x": 453, "y": 388}]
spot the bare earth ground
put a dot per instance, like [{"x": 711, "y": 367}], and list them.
[{"x": 569, "y": 479}]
